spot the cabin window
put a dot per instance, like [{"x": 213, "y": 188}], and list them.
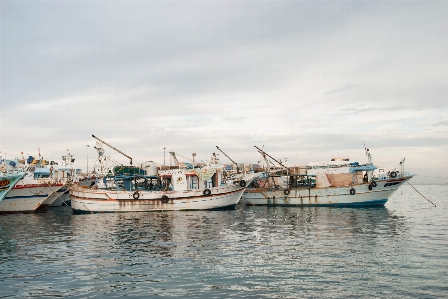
[{"x": 194, "y": 182}]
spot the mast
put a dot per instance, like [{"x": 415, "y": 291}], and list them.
[{"x": 112, "y": 147}]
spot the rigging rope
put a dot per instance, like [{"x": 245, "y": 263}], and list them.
[{"x": 422, "y": 194}]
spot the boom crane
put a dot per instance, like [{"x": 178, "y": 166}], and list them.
[
  {"x": 112, "y": 147},
  {"x": 175, "y": 158},
  {"x": 237, "y": 168},
  {"x": 264, "y": 153},
  {"x": 266, "y": 160}
]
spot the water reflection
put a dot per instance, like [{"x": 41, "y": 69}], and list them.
[
  {"x": 251, "y": 251},
  {"x": 104, "y": 237}
]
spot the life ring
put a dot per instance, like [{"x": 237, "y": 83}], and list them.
[
  {"x": 136, "y": 195},
  {"x": 165, "y": 199},
  {"x": 370, "y": 187},
  {"x": 287, "y": 192},
  {"x": 352, "y": 191},
  {"x": 243, "y": 183},
  {"x": 393, "y": 174},
  {"x": 207, "y": 192},
  {"x": 373, "y": 184}
]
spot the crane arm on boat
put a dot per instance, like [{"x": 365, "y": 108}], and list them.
[{"x": 112, "y": 147}]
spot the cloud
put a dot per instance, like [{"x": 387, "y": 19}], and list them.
[
  {"x": 346, "y": 87},
  {"x": 302, "y": 77},
  {"x": 439, "y": 123}
]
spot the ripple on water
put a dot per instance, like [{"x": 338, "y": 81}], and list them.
[{"x": 252, "y": 252}]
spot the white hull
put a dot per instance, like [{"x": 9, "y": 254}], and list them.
[
  {"x": 86, "y": 200},
  {"x": 26, "y": 198},
  {"x": 327, "y": 196},
  {"x": 51, "y": 199},
  {"x": 62, "y": 198}
]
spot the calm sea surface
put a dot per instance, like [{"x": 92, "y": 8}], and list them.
[{"x": 397, "y": 251}]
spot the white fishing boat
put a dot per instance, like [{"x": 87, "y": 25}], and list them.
[
  {"x": 135, "y": 189},
  {"x": 338, "y": 184},
  {"x": 30, "y": 193},
  {"x": 27, "y": 198}
]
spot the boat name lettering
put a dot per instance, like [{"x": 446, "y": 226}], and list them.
[{"x": 4, "y": 183}]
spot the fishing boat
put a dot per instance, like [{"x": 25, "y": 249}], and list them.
[
  {"x": 330, "y": 184},
  {"x": 33, "y": 190},
  {"x": 9, "y": 177},
  {"x": 132, "y": 189}
]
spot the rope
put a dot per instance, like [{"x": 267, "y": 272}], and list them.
[
  {"x": 60, "y": 196},
  {"x": 42, "y": 191},
  {"x": 422, "y": 195}
]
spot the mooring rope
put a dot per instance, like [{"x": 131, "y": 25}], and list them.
[
  {"x": 41, "y": 191},
  {"x": 60, "y": 196},
  {"x": 422, "y": 194}
]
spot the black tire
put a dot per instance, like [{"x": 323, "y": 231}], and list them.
[
  {"x": 136, "y": 195},
  {"x": 287, "y": 192},
  {"x": 393, "y": 174},
  {"x": 352, "y": 191},
  {"x": 207, "y": 192},
  {"x": 243, "y": 183},
  {"x": 165, "y": 199},
  {"x": 373, "y": 184},
  {"x": 370, "y": 187}
]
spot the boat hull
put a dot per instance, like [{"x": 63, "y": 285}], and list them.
[
  {"x": 26, "y": 198},
  {"x": 328, "y": 196},
  {"x": 62, "y": 197},
  {"x": 51, "y": 198},
  {"x": 94, "y": 201}
]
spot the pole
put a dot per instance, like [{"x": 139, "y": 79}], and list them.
[
  {"x": 237, "y": 168},
  {"x": 87, "y": 146},
  {"x": 164, "y": 148},
  {"x": 112, "y": 147}
]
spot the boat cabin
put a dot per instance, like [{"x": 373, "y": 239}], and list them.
[
  {"x": 63, "y": 173},
  {"x": 183, "y": 179},
  {"x": 42, "y": 173}
]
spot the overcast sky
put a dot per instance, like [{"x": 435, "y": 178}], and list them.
[{"x": 309, "y": 80}]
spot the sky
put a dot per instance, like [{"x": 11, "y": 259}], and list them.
[{"x": 305, "y": 80}]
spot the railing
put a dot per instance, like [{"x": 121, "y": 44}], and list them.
[
  {"x": 391, "y": 175},
  {"x": 8, "y": 169}
]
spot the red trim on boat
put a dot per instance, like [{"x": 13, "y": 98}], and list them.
[{"x": 36, "y": 185}]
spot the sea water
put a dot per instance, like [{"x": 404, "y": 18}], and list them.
[{"x": 396, "y": 251}]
